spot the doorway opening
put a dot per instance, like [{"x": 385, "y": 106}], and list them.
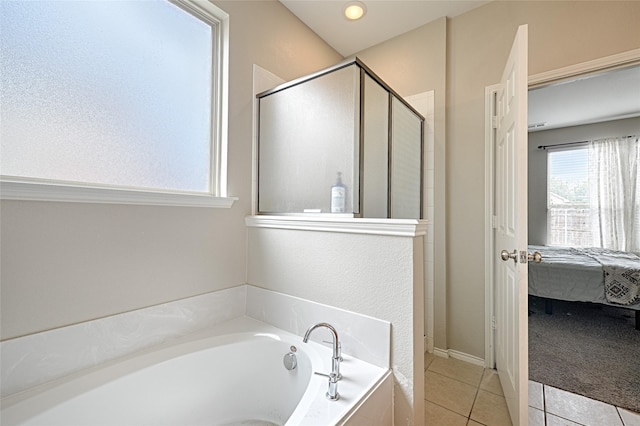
[{"x": 559, "y": 78}]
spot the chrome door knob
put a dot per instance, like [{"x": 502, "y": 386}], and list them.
[
  {"x": 505, "y": 255},
  {"x": 536, "y": 257}
]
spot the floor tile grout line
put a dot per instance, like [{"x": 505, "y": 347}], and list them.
[
  {"x": 474, "y": 403},
  {"x": 478, "y": 388},
  {"x": 456, "y": 379},
  {"x": 448, "y": 409},
  {"x": 453, "y": 378},
  {"x": 569, "y": 420},
  {"x": 591, "y": 399},
  {"x": 620, "y": 415},
  {"x": 544, "y": 404}
]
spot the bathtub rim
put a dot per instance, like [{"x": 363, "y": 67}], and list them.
[
  {"x": 47, "y": 395},
  {"x": 224, "y": 333}
]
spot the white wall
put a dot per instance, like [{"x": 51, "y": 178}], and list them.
[{"x": 538, "y": 164}]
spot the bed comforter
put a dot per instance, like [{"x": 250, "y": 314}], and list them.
[{"x": 586, "y": 275}]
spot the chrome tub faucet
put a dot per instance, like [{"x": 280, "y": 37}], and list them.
[{"x": 335, "y": 375}]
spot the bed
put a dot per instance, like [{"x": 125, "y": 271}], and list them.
[{"x": 586, "y": 275}]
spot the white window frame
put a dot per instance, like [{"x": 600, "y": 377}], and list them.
[{"x": 26, "y": 189}]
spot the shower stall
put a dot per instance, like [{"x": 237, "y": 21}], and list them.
[{"x": 339, "y": 142}]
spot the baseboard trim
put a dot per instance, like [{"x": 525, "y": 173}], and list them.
[
  {"x": 451, "y": 353},
  {"x": 441, "y": 352}
]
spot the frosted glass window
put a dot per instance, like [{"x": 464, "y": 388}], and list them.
[
  {"x": 115, "y": 93},
  {"x": 406, "y": 162}
]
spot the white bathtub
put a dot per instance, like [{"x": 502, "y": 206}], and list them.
[{"x": 231, "y": 375}]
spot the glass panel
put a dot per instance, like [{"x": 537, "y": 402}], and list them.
[
  {"x": 106, "y": 92},
  {"x": 568, "y": 198},
  {"x": 375, "y": 150},
  {"x": 406, "y": 154},
  {"x": 308, "y": 134}
]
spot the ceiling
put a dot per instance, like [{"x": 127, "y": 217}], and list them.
[
  {"x": 602, "y": 97},
  {"x": 596, "y": 98},
  {"x": 384, "y": 19}
]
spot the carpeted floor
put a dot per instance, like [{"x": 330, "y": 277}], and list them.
[{"x": 588, "y": 349}]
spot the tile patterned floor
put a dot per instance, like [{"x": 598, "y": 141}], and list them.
[{"x": 458, "y": 393}]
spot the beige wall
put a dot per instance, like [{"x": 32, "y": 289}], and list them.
[
  {"x": 560, "y": 34},
  {"x": 62, "y": 263},
  {"x": 415, "y": 62},
  {"x": 477, "y": 44}
]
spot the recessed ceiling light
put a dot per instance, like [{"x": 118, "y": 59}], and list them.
[{"x": 355, "y": 10}]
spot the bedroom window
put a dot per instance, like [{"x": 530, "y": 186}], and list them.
[
  {"x": 114, "y": 101},
  {"x": 568, "y": 197},
  {"x": 593, "y": 194}
]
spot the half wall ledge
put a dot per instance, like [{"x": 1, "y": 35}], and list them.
[{"x": 349, "y": 225}]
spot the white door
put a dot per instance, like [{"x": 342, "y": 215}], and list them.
[{"x": 511, "y": 231}]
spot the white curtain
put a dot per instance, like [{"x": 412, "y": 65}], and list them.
[{"x": 614, "y": 188}]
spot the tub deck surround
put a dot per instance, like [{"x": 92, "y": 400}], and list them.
[
  {"x": 38, "y": 358},
  {"x": 85, "y": 392},
  {"x": 361, "y": 336},
  {"x": 372, "y": 266},
  {"x": 34, "y": 364}
]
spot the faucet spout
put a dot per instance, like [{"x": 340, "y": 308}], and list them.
[{"x": 334, "y": 335}]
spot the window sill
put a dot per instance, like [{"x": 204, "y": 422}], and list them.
[
  {"x": 29, "y": 191},
  {"x": 391, "y": 227}
]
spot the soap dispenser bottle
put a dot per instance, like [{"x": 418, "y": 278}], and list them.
[{"x": 338, "y": 196}]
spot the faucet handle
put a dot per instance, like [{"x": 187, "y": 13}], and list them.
[{"x": 332, "y": 392}]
